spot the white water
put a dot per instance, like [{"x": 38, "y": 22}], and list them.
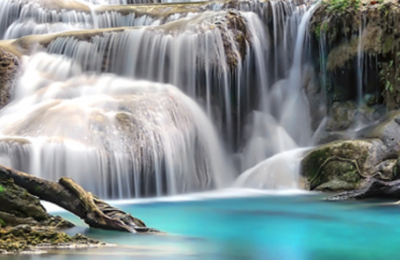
[
  {"x": 124, "y": 138},
  {"x": 117, "y": 137},
  {"x": 23, "y": 17},
  {"x": 280, "y": 171},
  {"x": 189, "y": 53},
  {"x": 360, "y": 61},
  {"x": 283, "y": 124}
]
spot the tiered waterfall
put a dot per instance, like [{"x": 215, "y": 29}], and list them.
[{"x": 140, "y": 98}]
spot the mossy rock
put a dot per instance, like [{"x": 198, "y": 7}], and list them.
[
  {"x": 342, "y": 162},
  {"x": 17, "y": 206},
  {"x": 24, "y": 238}
]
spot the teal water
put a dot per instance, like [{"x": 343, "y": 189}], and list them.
[{"x": 300, "y": 227}]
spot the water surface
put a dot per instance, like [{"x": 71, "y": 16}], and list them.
[{"x": 298, "y": 227}]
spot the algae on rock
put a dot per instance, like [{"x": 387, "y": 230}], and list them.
[
  {"x": 347, "y": 164},
  {"x": 355, "y": 37}
]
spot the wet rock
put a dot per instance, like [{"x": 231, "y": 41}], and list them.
[
  {"x": 345, "y": 29},
  {"x": 24, "y": 238},
  {"x": 347, "y": 114},
  {"x": 17, "y": 206},
  {"x": 8, "y": 70},
  {"x": 341, "y": 116},
  {"x": 386, "y": 130},
  {"x": 345, "y": 165}
]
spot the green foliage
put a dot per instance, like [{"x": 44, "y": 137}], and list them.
[
  {"x": 318, "y": 31},
  {"x": 2, "y": 189},
  {"x": 340, "y": 6},
  {"x": 388, "y": 74},
  {"x": 2, "y": 223},
  {"x": 321, "y": 28}
]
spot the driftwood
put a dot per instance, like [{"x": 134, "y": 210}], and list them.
[
  {"x": 71, "y": 196},
  {"x": 373, "y": 189}
]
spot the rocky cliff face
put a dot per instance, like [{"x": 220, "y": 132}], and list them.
[
  {"x": 357, "y": 60},
  {"x": 358, "y": 47}
]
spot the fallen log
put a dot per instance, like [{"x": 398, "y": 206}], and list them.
[
  {"x": 372, "y": 189},
  {"x": 71, "y": 196}
]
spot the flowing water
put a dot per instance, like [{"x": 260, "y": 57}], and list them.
[
  {"x": 117, "y": 137},
  {"x": 143, "y": 138},
  {"x": 150, "y": 100}
]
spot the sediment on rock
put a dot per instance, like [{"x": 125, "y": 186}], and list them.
[{"x": 27, "y": 239}]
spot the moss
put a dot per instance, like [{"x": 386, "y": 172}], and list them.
[
  {"x": 351, "y": 176},
  {"x": 312, "y": 163},
  {"x": 339, "y": 161},
  {"x": 388, "y": 44},
  {"x": 23, "y": 237},
  {"x": 341, "y": 54}
]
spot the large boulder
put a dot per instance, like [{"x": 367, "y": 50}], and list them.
[{"x": 346, "y": 164}]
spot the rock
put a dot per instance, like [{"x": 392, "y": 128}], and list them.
[
  {"x": 342, "y": 165},
  {"x": 24, "y": 238},
  {"x": 345, "y": 165},
  {"x": 71, "y": 196},
  {"x": 341, "y": 116},
  {"x": 386, "y": 130},
  {"x": 26, "y": 227},
  {"x": 8, "y": 69},
  {"x": 347, "y": 114},
  {"x": 17, "y": 206},
  {"x": 338, "y": 42}
]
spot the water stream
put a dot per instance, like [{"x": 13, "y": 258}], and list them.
[{"x": 135, "y": 138}]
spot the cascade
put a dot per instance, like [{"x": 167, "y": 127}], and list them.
[
  {"x": 288, "y": 130},
  {"x": 120, "y": 138},
  {"x": 202, "y": 55},
  {"x": 128, "y": 82},
  {"x": 24, "y": 17}
]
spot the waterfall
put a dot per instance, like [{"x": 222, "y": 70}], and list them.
[
  {"x": 22, "y": 17},
  {"x": 198, "y": 55},
  {"x": 360, "y": 61},
  {"x": 112, "y": 94},
  {"x": 119, "y": 138},
  {"x": 282, "y": 126}
]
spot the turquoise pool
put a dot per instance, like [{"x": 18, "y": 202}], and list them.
[{"x": 294, "y": 227}]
